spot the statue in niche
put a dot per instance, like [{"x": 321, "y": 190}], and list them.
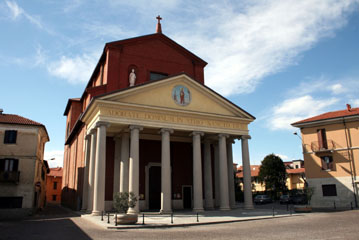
[{"x": 132, "y": 78}]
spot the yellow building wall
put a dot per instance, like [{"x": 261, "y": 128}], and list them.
[{"x": 335, "y": 133}]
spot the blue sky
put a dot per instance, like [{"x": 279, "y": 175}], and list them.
[{"x": 280, "y": 60}]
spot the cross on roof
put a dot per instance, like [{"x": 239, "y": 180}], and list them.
[{"x": 159, "y": 18}]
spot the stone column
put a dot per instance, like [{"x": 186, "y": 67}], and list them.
[
  {"x": 100, "y": 170},
  {"x": 208, "y": 192},
  {"x": 91, "y": 169},
  {"x": 117, "y": 165},
  {"x": 223, "y": 172},
  {"x": 197, "y": 173},
  {"x": 217, "y": 196},
  {"x": 134, "y": 168},
  {"x": 125, "y": 155},
  {"x": 166, "y": 199},
  {"x": 247, "y": 185},
  {"x": 231, "y": 190},
  {"x": 85, "y": 186}
]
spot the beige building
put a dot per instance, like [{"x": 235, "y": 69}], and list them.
[
  {"x": 331, "y": 156},
  {"x": 22, "y": 168},
  {"x": 295, "y": 176}
]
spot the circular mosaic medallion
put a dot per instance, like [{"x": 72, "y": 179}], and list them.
[{"x": 181, "y": 95}]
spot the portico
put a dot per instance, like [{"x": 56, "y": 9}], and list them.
[{"x": 141, "y": 128}]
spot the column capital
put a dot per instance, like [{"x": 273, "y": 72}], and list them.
[
  {"x": 140, "y": 128},
  {"x": 207, "y": 140},
  {"x": 195, "y": 133},
  {"x": 100, "y": 123},
  {"x": 93, "y": 131},
  {"x": 245, "y": 137},
  {"x": 162, "y": 130},
  {"x": 223, "y": 135},
  {"x": 88, "y": 136}
]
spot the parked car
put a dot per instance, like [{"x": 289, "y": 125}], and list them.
[
  {"x": 261, "y": 199},
  {"x": 299, "y": 199},
  {"x": 285, "y": 199}
]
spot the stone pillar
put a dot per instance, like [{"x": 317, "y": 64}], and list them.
[
  {"x": 100, "y": 170},
  {"x": 223, "y": 173},
  {"x": 247, "y": 185},
  {"x": 91, "y": 170},
  {"x": 231, "y": 190},
  {"x": 217, "y": 196},
  {"x": 85, "y": 186},
  {"x": 197, "y": 173},
  {"x": 134, "y": 168},
  {"x": 166, "y": 199},
  {"x": 208, "y": 192},
  {"x": 117, "y": 165},
  {"x": 125, "y": 155}
]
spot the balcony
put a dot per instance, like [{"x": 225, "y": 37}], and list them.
[
  {"x": 10, "y": 177},
  {"x": 319, "y": 147}
]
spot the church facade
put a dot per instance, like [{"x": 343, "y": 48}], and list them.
[{"x": 147, "y": 124}]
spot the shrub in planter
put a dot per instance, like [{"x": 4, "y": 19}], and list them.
[{"x": 121, "y": 203}]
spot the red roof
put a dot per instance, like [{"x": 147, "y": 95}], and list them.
[
  {"x": 330, "y": 115},
  {"x": 296, "y": 170},
  {"x": 55, "y": 172},
  {"x": 16, "y": 119},
  {"x": 254, "y": 171}
]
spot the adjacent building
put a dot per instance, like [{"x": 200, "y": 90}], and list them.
[
  {"x": 331, "y": 156},
  {"x": 147, "y": 123},
  {"x": 22, "y": 165},
  {"x": 295, "y": 176},
  {"x": 54, "y": 185}
]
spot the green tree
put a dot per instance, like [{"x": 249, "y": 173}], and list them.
[{"x": 273, "y": 174}]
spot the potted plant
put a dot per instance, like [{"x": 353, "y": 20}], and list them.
[
  {"x": 122, "y": 201},
  {"x": 308, "y": 191}
]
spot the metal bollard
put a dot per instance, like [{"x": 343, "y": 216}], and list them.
[
  {"x": 290, "y": 211},
  {"x": 273, "y": 211},
  {"x": 287, "y": 207},
  {"x": 335, "y": 207},
  {"x": 116, "y": 219},
  {"x": 197, "y": 218},
  {"x": 172, "y": 218},
  {"x": 143, "y": 219},
  {"x": 108, "y": 217},
  {"x": 101, "y": 215},
  {"x": 351, "y": 205}
]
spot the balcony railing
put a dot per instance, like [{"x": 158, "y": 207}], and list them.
[
  {"x": 323, "y": 147},
  {"x": 7, "y": 176}
]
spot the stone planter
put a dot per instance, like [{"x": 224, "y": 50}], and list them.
[
  {"x": 302, "y": 209},
  {"x": 126, "y": 219}
]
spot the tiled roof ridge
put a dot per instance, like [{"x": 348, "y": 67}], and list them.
[{"x": 16, "y": 119}]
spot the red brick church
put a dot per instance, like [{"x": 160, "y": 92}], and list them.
[{"x": 146, "y": 123}]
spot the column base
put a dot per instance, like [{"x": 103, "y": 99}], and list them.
[
  {"x": 249, "y": 207},
  {"x": 209, "y": 208},
  {"x": 96, "y": 213},
  {"x": 165, "y": 211},
  {"x": 132, "y": 211},
  {"x": 198, "y": 210},
  {"x": 224, "y": 208}
]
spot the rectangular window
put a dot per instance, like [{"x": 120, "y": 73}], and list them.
[
  {"x": 10, "y": 136},
  {"x": 327, "y": 163},
  {"x": 53, "y": 197},
  {"x": 55, "y": 185},
  {"x": 322, "y": 139},
  {"x": 10, "y": 202},
  {"x": 9, "y": 165},
  {"x": 329, "y": 190},
  {"x": 157, "y": 76}
]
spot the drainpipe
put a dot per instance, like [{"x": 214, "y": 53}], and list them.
[{"x": 350, "y": 162}]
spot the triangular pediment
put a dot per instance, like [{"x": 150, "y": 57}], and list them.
[{"x": 180, "y": 93}]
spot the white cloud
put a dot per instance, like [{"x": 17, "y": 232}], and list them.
[
  {"x": 295, "y": 109},
  {"x": 267, "y": 36},
  {"x": 337, "y": 88},
  {"x": 76, "y": 69},
  {"x": 58, "y": 155},
  {"x": 282, "y": 156},
  {"x": 16, "y": 11}
]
